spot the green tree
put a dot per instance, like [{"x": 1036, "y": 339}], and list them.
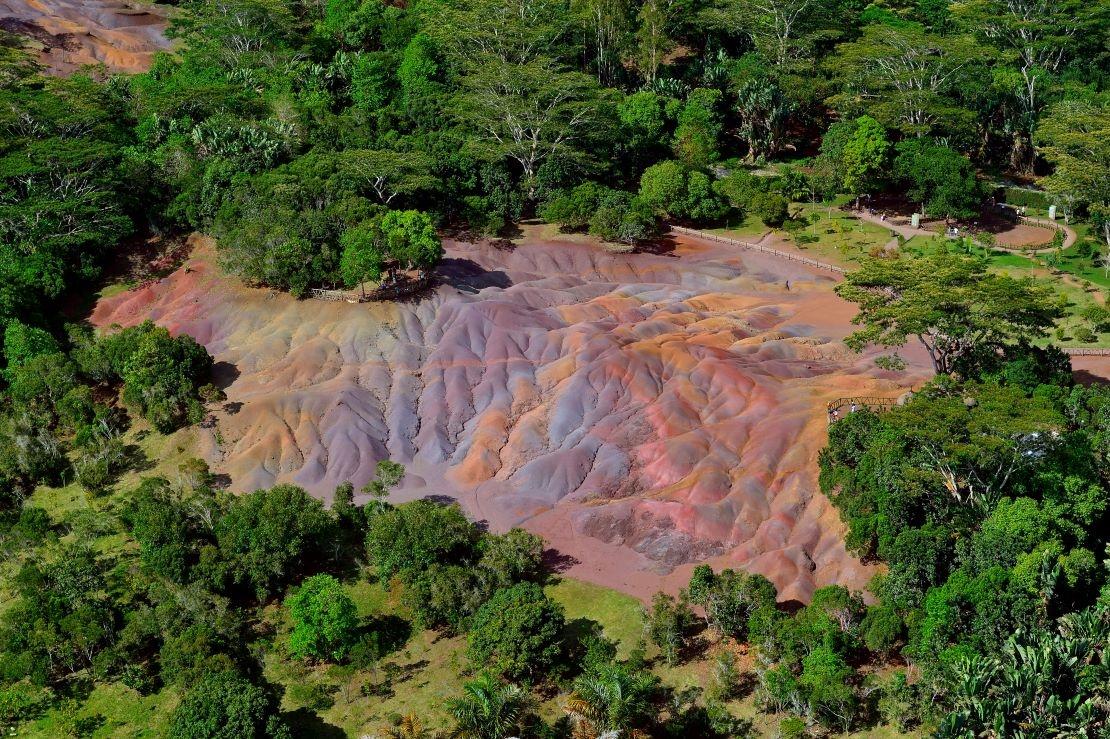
[
  {"x": 516, "y": 96},
  {"x": 1074, "y": 136},
  {"x": 764, "y": 111},
  {"x": 668, "y": 623},
  {"x": 162, "y": 529},
  {"x": 363, "y": 257},
  {"x": 612, "y": 698},
  {"x": 1036, "y": 40},
  {"x": 515, "y": 556},
  {"x": 607, "y": 24},
  {"x": 653, "y": 37},
  {"x": 863, "y": 157},
  {"x": 162, "y": 374},
  {"x": 643, "y": 121},
  {"x": 826, "y": 679},
  {"x": 224, "y": 705},
  {"x": 413, "y": 536},
  {"x": 386, "y": 173},
  {"x": 23, "y": 342},
  {"x": 518, "y": 633},
  {"x": 663, "y": 185},
  {"x": 950, "y": 303},
  {"x": 942, "y": 180},
  {"x": 906, "y": 78},
  {"x": 489, "y": 709},
  {"x": 783, "y": 32},
  {"x": 268, "y": 537},
  {"x": 325, "y": 620},
  {"x": 699, "y": 128},
  {"x": 409, "y": 238}
]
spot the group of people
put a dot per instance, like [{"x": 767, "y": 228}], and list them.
[{"x": 834, "y": 412}]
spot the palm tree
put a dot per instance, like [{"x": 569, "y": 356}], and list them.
[
  {"x": 611, "y": 700},
  {"x": 409, "y": 727},
  {"x": 488, "y": 709}
]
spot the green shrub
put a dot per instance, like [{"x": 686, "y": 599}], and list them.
[
  {"x": 771, "y": 208},
  {"x": 1028, "y": 198}
]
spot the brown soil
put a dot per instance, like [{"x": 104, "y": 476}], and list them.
[
  {"x": 643, "y": 412},
  {"x": 68, "y": 34}
]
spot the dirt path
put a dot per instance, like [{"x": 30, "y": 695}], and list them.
[{"x": 905, "y": 231}]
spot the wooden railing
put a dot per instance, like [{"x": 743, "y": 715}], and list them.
[
  {"x": 837, "y": 409},
  {"x": 1078, "y": 351},
  {"x": 349, "y": 295},
  {"x": 386, "y": 292},
  {"x": 760, "y": 248}
]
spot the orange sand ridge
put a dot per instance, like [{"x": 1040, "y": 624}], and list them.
[{"x": 68, "y": 34}]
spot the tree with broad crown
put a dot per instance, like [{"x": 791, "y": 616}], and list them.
[
  {"x": 226, "y": 705},
  {"x": 362, "y": 258},
  {"x": 410, "y": 240},
  {"x": 941, "y": 179},
  {"x": 518, "y": 632},
  {"x": 906, "y": 78},
  {"x": 325, "y": 620},
  {"x": 950, "y": 303},
  {"x": 1075, "y": 137},
  {"x": 864, "y": 155}
]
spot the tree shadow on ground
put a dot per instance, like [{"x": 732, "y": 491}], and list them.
[
  {"x": 224, "y": 374},
  {"x": 469, "y": 276},
  {"x": 661, "y": 246},
  {"x": 558, "y": 562},
  {"x": 305, "y": 723}
]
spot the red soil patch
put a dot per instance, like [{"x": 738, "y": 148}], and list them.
[
  {"x": 642, "y": 412},
  {"x": 69, "y": 34},
  {"x": 1024, "y": 235}
]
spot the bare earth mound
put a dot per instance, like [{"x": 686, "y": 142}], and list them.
[
  {"x": 642, "y": 412},
  {"x": 71, "y": 33}
]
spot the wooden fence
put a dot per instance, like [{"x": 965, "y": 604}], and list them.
[
  {"x": 350, "y": 296},
  {"x": 760, "y": 248},
  {"x": 387, "y": 292},
  {"x": 840, "y": 407},
  {"x": 1081, "y": 352}
]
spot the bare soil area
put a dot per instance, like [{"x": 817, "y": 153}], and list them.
[
  {"x": 68, "y": 34},
  {"x": 643, "y": 412}
]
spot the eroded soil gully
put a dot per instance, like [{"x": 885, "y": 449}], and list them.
[{"x": 643, "y": 412}]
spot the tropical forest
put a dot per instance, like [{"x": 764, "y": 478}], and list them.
[{"x": 555, "y": 369}]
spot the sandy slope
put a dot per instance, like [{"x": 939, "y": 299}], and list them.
[
  {"x": 121, "y": 35},
  {"x": 642, "y": 412}
]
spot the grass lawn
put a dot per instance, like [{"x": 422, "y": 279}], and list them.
[
  {"x": 749, "y": 229},
  {"x": 621, "y": 616},
  {"x": 842, "y": 238},
  {"x": 110, "y": 710}
]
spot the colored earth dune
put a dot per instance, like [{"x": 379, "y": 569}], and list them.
[
  {"x": 643, "y": 412},
  {"x": 68, "y": 34}
]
